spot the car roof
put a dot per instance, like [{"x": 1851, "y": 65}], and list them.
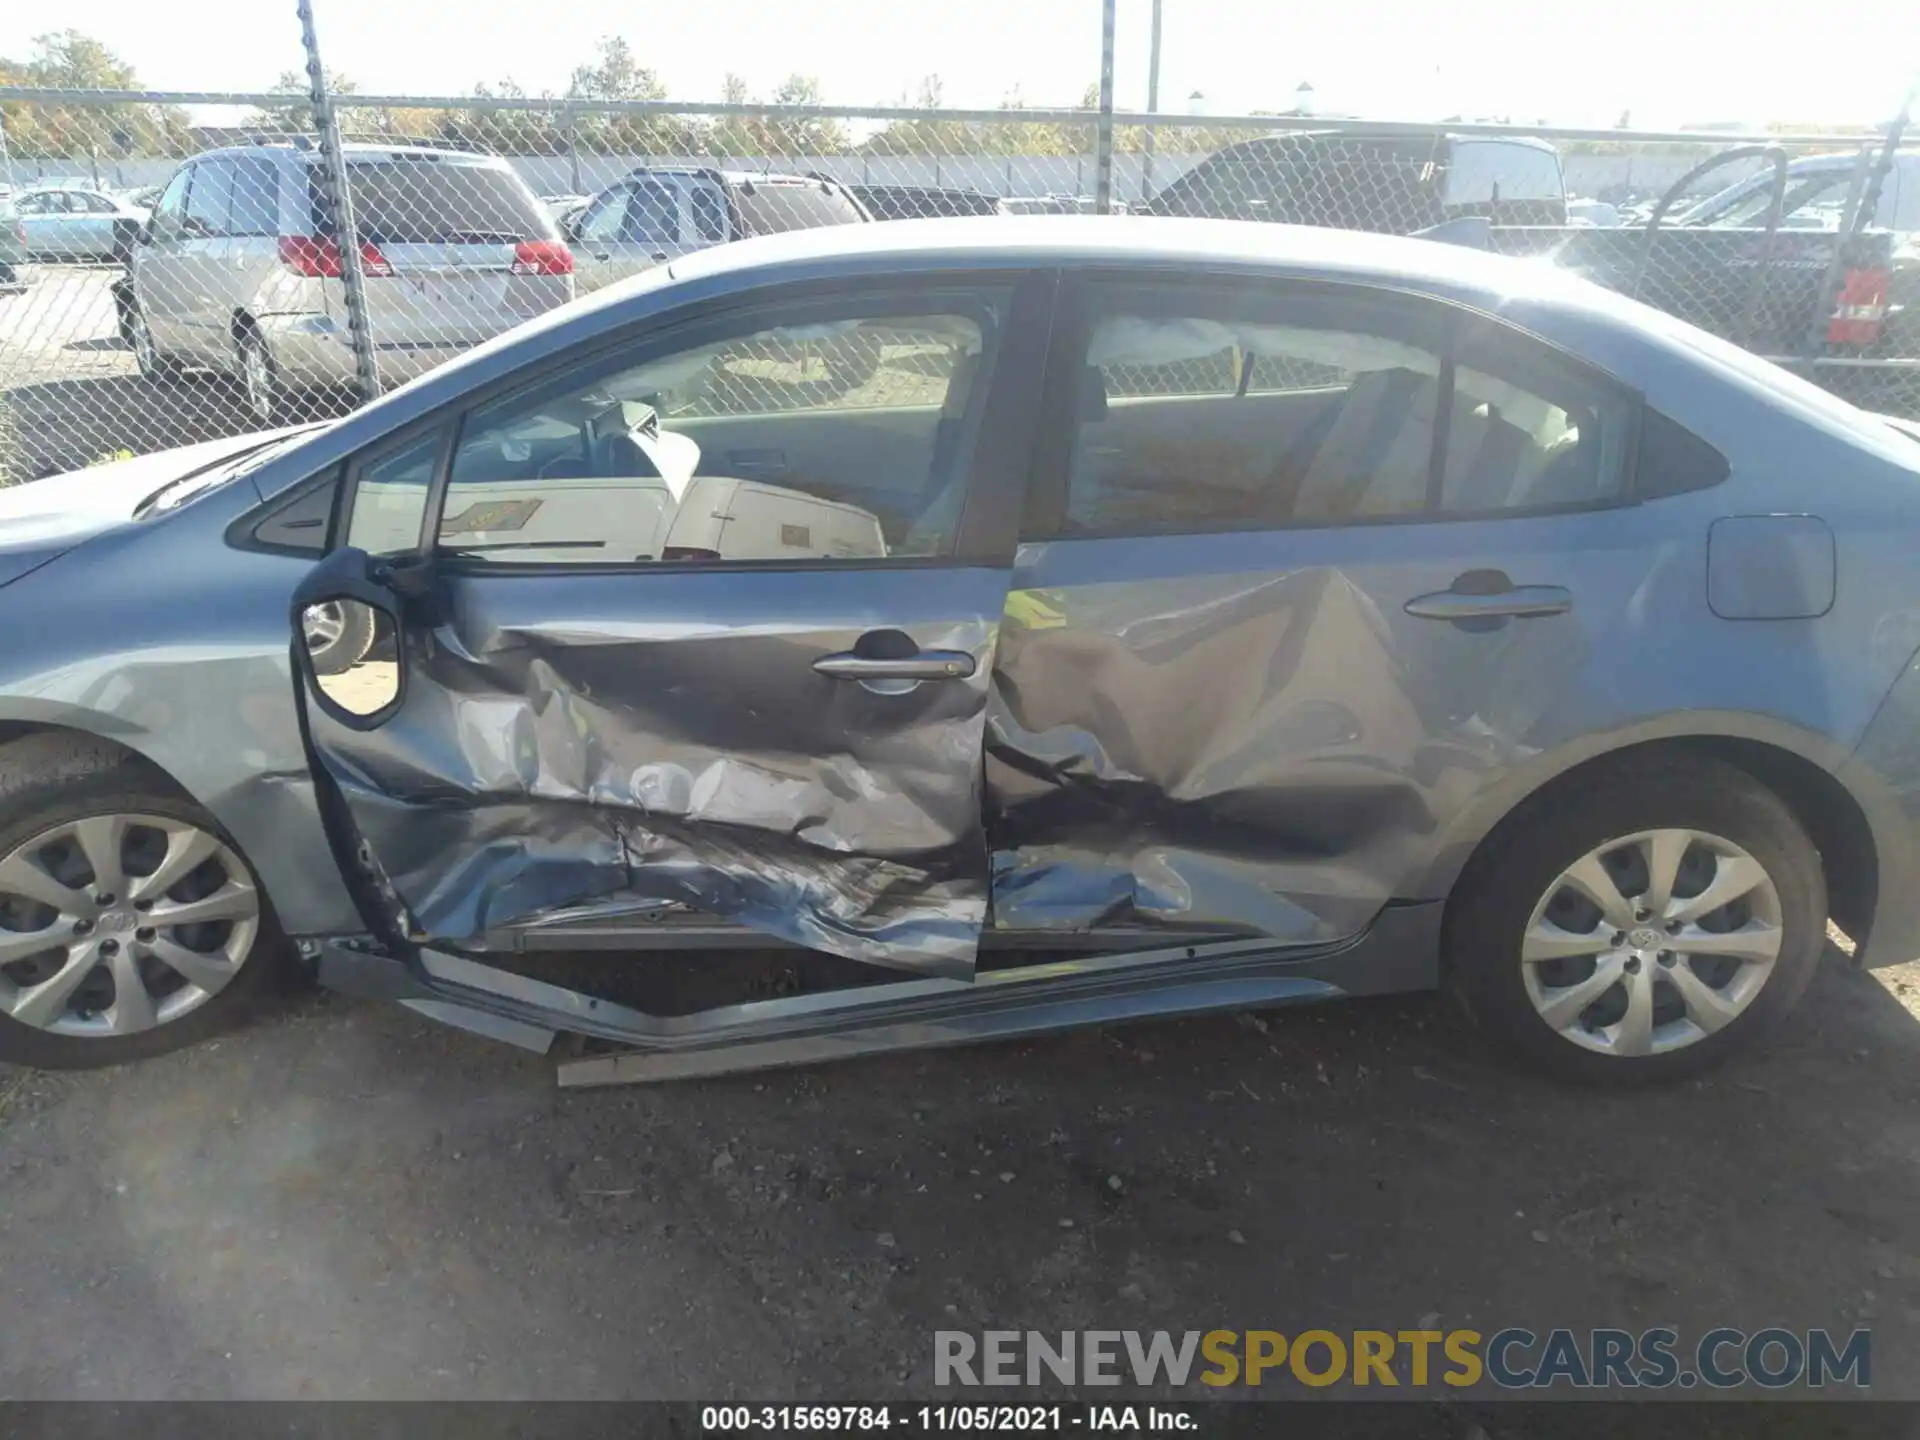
[
  {"x": 1131, "y": 240},
  {"x": 348, "y": 149},
  {"x": 1373, "y": 133},
  {"x": 732, "y": 177}
]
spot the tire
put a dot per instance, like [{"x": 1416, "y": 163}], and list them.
[
  {"x": 345, "y": 640},
  {"x": 156, "y": 367},
  {"x": 1512, "y": 896},
  {"x": 50, "y": 782},
  {"x": 257, "y": 378}
]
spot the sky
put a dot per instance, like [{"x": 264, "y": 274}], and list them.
[{"x": 1668, "y": 62}]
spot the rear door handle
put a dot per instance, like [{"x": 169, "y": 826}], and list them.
[
  {"x": 1519, "y": 602},
  {"x": 926, "y": 665}
]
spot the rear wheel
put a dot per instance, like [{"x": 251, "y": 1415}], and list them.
[
  {"x": 338, "y": 635},
  {"x": 129, "y": 924},
  {"x": 1643, "y": 925}
]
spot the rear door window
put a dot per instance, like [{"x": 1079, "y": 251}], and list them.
[
  {"x": 1219, "y": 408},
  {"x": 653, "y": 214},
  {"x": 709, "y": 214},
  {"x": 432, "y": 200},
  {"x": 256, "y": 198}
]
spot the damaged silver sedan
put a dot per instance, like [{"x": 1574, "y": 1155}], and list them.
[{"x": 862, "y": 640}]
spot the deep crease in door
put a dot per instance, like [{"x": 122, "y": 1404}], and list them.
[{"x": 611, "y": 769}]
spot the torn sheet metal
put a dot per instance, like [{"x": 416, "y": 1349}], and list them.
[
  {"x": 1266, "y": 751},
  {"x": 592, "y": 743}
]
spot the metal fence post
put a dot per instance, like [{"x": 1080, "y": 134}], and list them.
[
  {"x": 1103, "y": 131},
  {"x": 337, "y": 197}
]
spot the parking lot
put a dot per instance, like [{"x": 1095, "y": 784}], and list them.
[
  {"x": 69, "y": 389},
  {"x": 346, "y": 1201}
]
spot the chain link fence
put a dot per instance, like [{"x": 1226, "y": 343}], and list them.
[{"x": 166, "y": 279}]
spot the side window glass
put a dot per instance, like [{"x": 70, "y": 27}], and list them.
[
  {"x": 829, "y": 436},
  {"x": 603, "y": 217},
  {"x": 709, "y": 214},
  {"x": 653, "y": 215},
  {"x": 208, "y": 201},
  {"x": 1212, "y": 419},
  {"x": 390, "y": 497},
  {"x": 1528, "y": 430},
  {"x": 256, "y": 199}
]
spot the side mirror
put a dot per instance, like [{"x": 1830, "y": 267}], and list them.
[{"x": 346, "y": 634}]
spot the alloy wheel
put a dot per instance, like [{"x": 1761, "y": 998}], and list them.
[
  {"x": 323, "y": 624},
  {"x": 1651, "y": 942},
  {"x": 118, "y": 923},
  {"x": 143, "y": 351}
]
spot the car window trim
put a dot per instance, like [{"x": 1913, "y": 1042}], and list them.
[
  {"x": 987, "y": 528},
  {"x": 387, "y": 446},
  {"x": 1045, "y": 513}
]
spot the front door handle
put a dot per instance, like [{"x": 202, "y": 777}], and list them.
[
  {"x": 925, "y": 665},
  {"x": 1517, "y": 602}
]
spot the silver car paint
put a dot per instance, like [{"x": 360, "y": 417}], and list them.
[{"x": 186, "y": 661}]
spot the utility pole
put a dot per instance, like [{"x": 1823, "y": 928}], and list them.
[
  {"x": 1153, "y": 105},
  {"x": 1103, "y": 130}
]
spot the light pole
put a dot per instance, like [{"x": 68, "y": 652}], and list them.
[{"x": 1153, "y": 104}]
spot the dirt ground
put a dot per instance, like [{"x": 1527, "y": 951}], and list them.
[{"x": 348, "y": 1201}]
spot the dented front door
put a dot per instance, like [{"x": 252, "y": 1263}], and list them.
[{"x": 749, "y": 686}]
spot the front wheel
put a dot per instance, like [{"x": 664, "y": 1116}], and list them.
[
  {"x": 156, "y": 367},
  {"x": 1643, "y": 923},
  {"x": 259, "y": 377},
  {"x": 129, "y": 924}
]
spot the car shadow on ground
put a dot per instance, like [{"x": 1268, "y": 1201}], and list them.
[
  {"x": 348, "y": 1200},
  {"x": 69, "y": 424}
]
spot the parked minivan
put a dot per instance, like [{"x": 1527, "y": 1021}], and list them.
[
  {"x": 238, "y": 269},
  {"x": 1394, "y": 181}
]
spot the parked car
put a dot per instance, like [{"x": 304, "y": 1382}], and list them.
[
  {"x": 73, "y": 223},
  {"x": 142, "y": 197},
  {"x": 1817, "y": 186},
  {"x": 922, "y": 202},
  {"x": 1388, "y": 180},
  {"x": 1197, "y": 617},
  {"x": 13, "y": 249},
  {"x": 239, "y": 269},
  {"x": 657, "y": 213},
  {"x": 1058, "y": 204}
]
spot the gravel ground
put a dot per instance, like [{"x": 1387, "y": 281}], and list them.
[{"x": 346, "y": 1201}]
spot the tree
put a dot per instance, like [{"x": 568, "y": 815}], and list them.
[
  {"x": 615, "y": 75},
  {"x": 70, "y": 60},
  {"x": 296, "y": 116},
  {"x": 809, "y": 135}
]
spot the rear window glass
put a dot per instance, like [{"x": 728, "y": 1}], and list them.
[
  {"x": 430, "y": 201},
  {"x": 766, "y": 209}
]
